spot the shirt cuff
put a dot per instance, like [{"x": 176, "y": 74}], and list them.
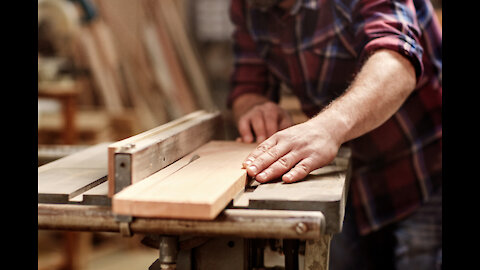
[{"x": 402, "y": 44}]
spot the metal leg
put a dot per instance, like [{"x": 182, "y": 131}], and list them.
[
  {"x": 255, "y": 248},
  {"x": 317, "y": 253},
  {"x": 290, "y": 250},
  {"x": 168, "y": 249}
]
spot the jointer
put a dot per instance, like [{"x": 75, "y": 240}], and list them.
[{"x": 112, "y": 187}]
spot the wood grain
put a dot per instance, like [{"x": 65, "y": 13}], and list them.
[
  {"x": 159, "y": 147},
  {"x": 65, "y": 178},
  {"x": 199, "y": 190}
]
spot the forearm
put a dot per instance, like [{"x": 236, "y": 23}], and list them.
[{"x": 378, "y": 91}]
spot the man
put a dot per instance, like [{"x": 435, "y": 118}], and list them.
[{"x": 368, "y": 74}]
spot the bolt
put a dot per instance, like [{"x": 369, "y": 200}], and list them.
[{"x": 301, "y": 228}]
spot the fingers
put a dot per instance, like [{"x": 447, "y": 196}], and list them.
[
  {"x": 271, "y": 124},
  {"x": 277, "y": 169},
  {"x": 276, "y": 162},
  {"x": 270, "y": 160},
  {"x": 261, "y": 148},
  {"x": 245, "y": 126},
  {"x": 291, "y": 154},
  {"x": 258, "y": 125},
  {"x": 263, "y": 156},
  {"x": 281, "y": 167},
  {"x": 262, "y": 121},
  {"x": 244, "y": 130},
  {"x": 300, "y": 171}
]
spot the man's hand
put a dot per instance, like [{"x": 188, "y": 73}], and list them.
[
  {"x": 256, "y": 113},
  {"x": 378, "y": 91},
  {"x": 297, "y": 150}
]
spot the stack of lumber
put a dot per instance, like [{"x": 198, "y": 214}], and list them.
[{"x": 141, "y": 57}]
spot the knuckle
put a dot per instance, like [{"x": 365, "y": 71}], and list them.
[
  {"x": 259, "y": 161},
  {"x": 283, "y": 162},
  {"x": 258, "y": 108},
  {"x": 272, "y": 153},
  {"x": 303, "y": 168},
  {"x": 263, "y": 148}
]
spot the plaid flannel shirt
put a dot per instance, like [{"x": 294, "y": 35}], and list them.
[{"x": 316, "y": 49}]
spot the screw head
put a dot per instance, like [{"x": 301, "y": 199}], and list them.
[{"x": 301, "y": 228}]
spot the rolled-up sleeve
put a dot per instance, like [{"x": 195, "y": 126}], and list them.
[
  {"x": 250, "y": 72},
  {"x": 380, "y": 24}
]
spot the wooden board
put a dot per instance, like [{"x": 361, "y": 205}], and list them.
[
  {"x": 64, "y": 179},
  {"x": 157, "y": 148},
  {"x": 196, "y": 190}
]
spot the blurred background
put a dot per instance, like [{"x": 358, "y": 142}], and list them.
[{"x": 110, "y": 69}]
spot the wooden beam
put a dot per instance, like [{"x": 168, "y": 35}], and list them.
[
  {"x": 139, "y": 156},
  {"x": 198, "y": 186}
]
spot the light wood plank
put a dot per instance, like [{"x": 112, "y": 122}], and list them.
[{"x": 199, "y": 190}]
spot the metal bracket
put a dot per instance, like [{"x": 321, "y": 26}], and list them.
[
  {"x": 123, "y": 171},
  {"x": 124, "y": 224}
]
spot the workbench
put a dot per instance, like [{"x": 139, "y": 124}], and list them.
[{"x": 73, "y": 195}]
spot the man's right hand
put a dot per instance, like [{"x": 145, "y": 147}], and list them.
[{"x": 253, "y": 112}]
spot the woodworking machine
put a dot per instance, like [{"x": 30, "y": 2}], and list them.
[{"x": 254, "y": 225}]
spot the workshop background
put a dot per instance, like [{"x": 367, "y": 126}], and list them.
[{"x": 110, "y": 69}]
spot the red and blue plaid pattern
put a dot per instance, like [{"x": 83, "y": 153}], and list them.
[{"x": 316, "y": 49}]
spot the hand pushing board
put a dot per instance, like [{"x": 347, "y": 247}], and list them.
[{"x": 198, "y": 186}]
